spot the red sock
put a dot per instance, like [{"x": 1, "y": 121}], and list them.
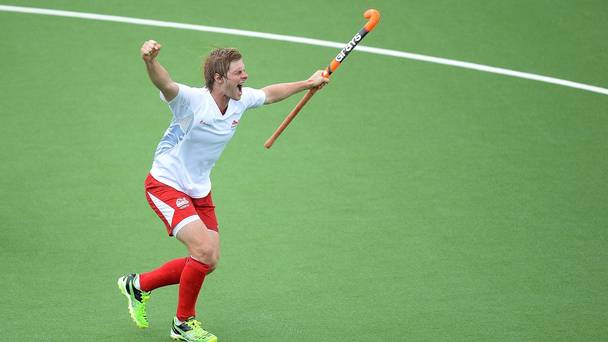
[
  {"x": 189, "y": 286},
  {"x": 167, "y": 274}
]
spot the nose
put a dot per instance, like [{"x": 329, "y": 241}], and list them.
[{"x": 245, "y": 76}]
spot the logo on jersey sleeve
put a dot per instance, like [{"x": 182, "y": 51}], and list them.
[
  {"x": 182, "y": 203},
  {"x": 235, "y": 123}
]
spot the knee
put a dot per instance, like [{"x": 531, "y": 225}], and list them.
[
  {"x": 212, "y": 267},
  {"x": 205, "y": 254}
]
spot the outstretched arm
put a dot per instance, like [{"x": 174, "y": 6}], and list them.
[
  {"x": 157, "y": 73},
  {"x": 280, "y": 91}
]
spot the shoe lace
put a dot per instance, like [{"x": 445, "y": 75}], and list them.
[
  {"x": 141, "y": 308},
  {"x": 196, "y": 328},
  {"x": 194, "y": 324}
]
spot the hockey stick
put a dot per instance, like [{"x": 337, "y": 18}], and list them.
[{"x": 373, "y": 17}]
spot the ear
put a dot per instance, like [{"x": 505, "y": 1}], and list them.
[{"x": 218, "y": 78}]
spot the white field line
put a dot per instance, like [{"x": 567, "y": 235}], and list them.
[{"x": 309, "y": 41}]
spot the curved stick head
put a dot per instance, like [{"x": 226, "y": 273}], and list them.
[{"x": 373, "y": 17}]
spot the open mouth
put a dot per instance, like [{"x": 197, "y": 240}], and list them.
[{"x": 240, "y": 87}]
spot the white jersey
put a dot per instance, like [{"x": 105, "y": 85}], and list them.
[{"x": 196, "y": 138}]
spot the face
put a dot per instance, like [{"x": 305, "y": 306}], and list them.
[{"x": 232, "y": 84}]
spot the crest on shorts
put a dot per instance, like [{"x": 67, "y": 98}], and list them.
[{"x": 182, "y": 203}]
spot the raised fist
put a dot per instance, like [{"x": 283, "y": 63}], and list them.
[{"x": 149, "y": 50}]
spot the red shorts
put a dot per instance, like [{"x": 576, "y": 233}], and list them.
[{"x": 176, "y": 209}]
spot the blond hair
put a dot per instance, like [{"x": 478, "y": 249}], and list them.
[{"x": 218, "y": 62}]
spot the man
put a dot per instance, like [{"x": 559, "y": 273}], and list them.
[{"x": 178, "y": 187}]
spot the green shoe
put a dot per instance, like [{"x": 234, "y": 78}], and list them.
[
  {"x": 137, "y": 300},
  {"x": 190, "y": 331}
]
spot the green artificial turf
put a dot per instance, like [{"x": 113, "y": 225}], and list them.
[{"x": 407, "y": 202}]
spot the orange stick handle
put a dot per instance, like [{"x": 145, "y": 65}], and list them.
[
  {"x": 373, "y": 17},
  {"x": 290, "y": 117}
]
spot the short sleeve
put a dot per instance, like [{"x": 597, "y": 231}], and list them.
[
  {"x": 253, "y": 97},
  {"x": 182, "y": 104}
]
